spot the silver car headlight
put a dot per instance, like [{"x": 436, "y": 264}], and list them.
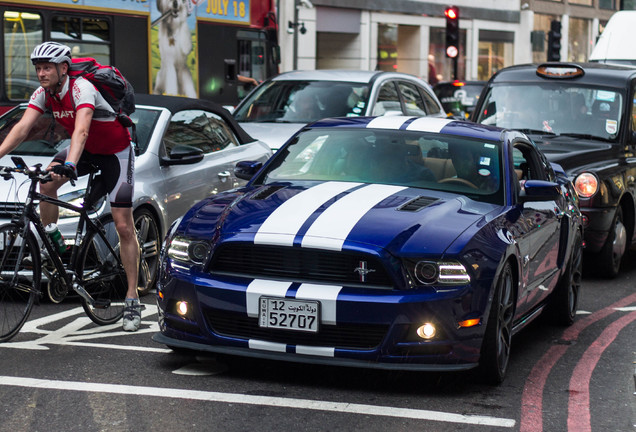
[
  {"x": 439, "y": 272},
  {"x": 76, "y": 198}
]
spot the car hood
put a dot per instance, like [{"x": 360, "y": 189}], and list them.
[
  {"x": 272, "y": 133},
  {"x": 572, "y": 152},
  {"x": 339, "y": 215}
]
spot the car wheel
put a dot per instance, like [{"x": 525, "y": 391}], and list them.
[
  {"x": 613, "y": 250},
  {"x": 148, "y": 238},
  {"x": 566, "y": 295},
  {"x": 495, "y": 351}
]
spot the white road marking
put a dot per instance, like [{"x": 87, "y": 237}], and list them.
[
  {"x": 626, "y": 309},
  {"x": 339, "y": 407}
]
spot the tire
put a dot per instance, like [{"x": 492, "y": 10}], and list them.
[
  {"x": 613, "y": 251},
  {"x": 565, "y": 299},
  {"x": 149, "y": 244},
  {"x": 18, "y": 289},
  {"x": 495, "y": 350},
  {"x": 103, "y": 275}
]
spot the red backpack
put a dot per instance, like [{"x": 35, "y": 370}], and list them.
[{"x": 112, "y": 85}]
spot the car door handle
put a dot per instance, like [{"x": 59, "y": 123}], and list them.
[{"x": 224, "y": 174}]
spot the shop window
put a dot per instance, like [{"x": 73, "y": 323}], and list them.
[
  {"x": 496, "y": 49},
  {"x": 579, "y": 40},
  {"x": 22, "y": 32}
]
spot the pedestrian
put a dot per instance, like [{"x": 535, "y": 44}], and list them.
[{"x": 103, "y": 142}]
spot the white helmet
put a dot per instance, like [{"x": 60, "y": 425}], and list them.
[{"x": 51, "y": 52}]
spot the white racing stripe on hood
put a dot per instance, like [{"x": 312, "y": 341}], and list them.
[
  {"x": 333, "y": 226},
  {"x": 281, "y": 226},
  {"x": 262, "y": 287},
  {"x": 428, "y": 124},
  {"x": 326, "y": 294}
]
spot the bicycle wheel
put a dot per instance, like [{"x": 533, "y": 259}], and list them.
[
  {"x": 103, "y": 275},
  {"x": 19, "y": 282}
]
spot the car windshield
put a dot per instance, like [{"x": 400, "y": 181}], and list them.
[
  {"x": 48, "y": 137},
  {"x": 559, "y": 108},
  {"x": 303, "y": 101},
  {"x": 408, "y": 158}
]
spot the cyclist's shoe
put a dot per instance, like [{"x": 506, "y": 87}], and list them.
[{"x": 132, "y": 314}]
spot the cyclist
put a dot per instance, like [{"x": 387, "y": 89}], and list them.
[{"x": 102, "y": 141}]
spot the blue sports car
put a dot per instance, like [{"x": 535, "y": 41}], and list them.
[{"x": 391, "y": 242}]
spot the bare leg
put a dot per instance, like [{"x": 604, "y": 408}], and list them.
[
  {"x": 48, "y": 211},
  {"x": 129, "y": 248}
]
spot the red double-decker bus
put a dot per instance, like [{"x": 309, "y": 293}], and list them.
[{"x": 188, "y": 48}]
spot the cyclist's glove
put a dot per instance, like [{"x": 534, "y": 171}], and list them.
[{"x": 66, "y": 171}]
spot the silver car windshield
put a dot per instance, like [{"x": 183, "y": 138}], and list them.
[
  {"x": 303, "y": 101},
  {"x": 556, "y": 108},
  {"x": 408, "y": 158}
]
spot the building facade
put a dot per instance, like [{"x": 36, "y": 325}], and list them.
[{"x": 409, "y": 35}]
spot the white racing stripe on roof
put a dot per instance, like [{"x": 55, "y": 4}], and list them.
[
  {"x": 332, "y": 227},
  {"x": 387, "y": 122},
  {"x": 428, "y": 124},
  {"x": 281, "y": 226},
  {"x": 263, "y": 287}
]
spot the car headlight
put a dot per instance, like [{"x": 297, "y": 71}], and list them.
[
  {"x": 431, "y": 272},
  {"x": 76, "y": 198},
  {"x": 188, "y": 251},
  {"x": 586, "y": 185}
]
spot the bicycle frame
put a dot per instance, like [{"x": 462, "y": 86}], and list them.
[{"x": 66, "y": 275}]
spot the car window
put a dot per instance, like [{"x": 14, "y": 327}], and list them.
[
  {"x": 556, "y": 108},
  {"x": 46, "y": 138},
  {"x": 388, "y": 100},
  {"x": 408, "y": 158},
  {"x": 200, "y": 129},
  {"x": 145, "y": 120},
  {"x": 303, "y": 101},
  {"x": 412, "y": 99},
  {"x": 432, "y": 107}
]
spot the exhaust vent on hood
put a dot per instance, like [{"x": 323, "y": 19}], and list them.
[
  {"x": 417, "y": 204},
  {"x": 266, "y": 192}
]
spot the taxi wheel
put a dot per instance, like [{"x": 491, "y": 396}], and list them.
[
  {"x": 613, "y": 250},
  {"x": 495, "y": 351}
]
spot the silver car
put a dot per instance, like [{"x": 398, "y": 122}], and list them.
[
  {"x": 282, "y": 105},
  {"x": 186, "y": 151}
]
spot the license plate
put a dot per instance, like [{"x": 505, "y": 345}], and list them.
[{"x": 289, "y": 314}]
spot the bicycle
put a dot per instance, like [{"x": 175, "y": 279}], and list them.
[{"x": 94, "y": 270}]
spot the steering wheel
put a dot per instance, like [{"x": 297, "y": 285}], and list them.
[{"x": 458, "y": 180}]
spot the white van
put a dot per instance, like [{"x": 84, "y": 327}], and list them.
[{"x": 616, "y": 44}]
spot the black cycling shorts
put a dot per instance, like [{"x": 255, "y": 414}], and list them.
[{"x": 117, "y": 173}]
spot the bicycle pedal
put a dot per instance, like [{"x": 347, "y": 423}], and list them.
[{"x": 101, "y": 304}]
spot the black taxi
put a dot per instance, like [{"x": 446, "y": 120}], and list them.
[{"x": 583, "y": 117}]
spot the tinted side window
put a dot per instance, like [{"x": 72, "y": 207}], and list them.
[
  {"x": 431, "y": 104},
  {"x": 412, "y": 99},
  {"x": 388, "y": 99},
  {"x": 200, "y": 129}
]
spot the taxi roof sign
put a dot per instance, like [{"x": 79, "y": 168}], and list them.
[{"x": 560, "y": 71}]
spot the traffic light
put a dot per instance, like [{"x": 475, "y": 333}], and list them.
[
  {"x": 554, "y": 41},
  {"x": 452, "y": 31}
]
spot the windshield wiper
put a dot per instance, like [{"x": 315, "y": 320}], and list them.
[{"x": 534, "y": 131}]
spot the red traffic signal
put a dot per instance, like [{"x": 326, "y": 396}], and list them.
[{"x": 452, "y": 13}]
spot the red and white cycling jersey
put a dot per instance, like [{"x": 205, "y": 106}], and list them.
[{"x": 105, "y": 136}]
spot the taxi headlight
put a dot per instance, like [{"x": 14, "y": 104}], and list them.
[{"x": 586, "y": 185}]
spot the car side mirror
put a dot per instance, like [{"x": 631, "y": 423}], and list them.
[
  {"x": 539, "y": 190},
  {"x": 183, "y": 155},
  {"x": 245, "y": 170}
]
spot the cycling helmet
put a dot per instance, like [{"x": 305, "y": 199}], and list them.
[{"x": 51, "y": 52}]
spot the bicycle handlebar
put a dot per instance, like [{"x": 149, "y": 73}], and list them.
[{"x": 35, "y": 173}]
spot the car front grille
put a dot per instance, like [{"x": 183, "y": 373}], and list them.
[
  {"x": 10, "y": 209},
  {"x": 300, "y": 264},
  {"x": 344, "y": 336}
]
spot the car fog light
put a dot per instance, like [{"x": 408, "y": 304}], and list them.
[
  {"x": 182, "y": 308},
  {"x": 426, "y": 331}
]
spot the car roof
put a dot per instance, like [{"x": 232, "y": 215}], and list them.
[
  {"x": 343, "y": 75},
  {"x": 176, "y": 103},
  {"x": 595, "y": 73},
  {"x": 423, "y": 124}
]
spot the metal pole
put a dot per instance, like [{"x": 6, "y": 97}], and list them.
[{"x": 295, "y": 34}]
